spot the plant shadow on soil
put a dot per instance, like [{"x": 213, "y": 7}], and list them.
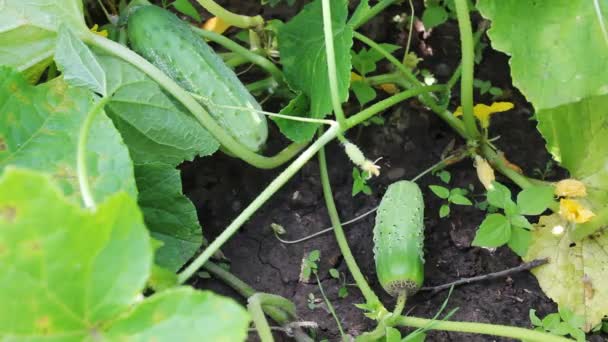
[{"x": 411, "y": 140}]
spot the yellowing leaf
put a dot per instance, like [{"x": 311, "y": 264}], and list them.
[
  {"x": 355, "y": 77},
  {"x": 483, "y": 112},
  {"x": 576, "y": 274},
  {"x": 103, "y": 33},
  {"x": 573, "y": 211},
  {"x": 389, "y": 88},
  {"x": 570, "y": 188},
  {"x": 485, "y": 173},
  {"x": 216, "y": 25}
]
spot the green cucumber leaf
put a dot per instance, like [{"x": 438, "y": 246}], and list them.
[
  {"x": 166, "y": 132},
  {"x": 39, "y": 129},
  {"x": 65, "y": 270},
  {"x": 69, "y": 274},
  {"x": 366, "y": 60},
  {"x": 434, "y": 16},
  {"x": 302, "y": 49},
  {"x": 160, "y": 134},
  {"x": 520, "y": 240},
  {"x": 577, "y": 137},
  {"x": 576, "y": 274},
  {"x": 185, "y": 7},
  {"x": 558, "y": 50},
  {"x": 79, "y": 66},
  {"x": 535, "y": 200},
  {"x": 28, "y": 31},
  {"x": 364, "y": 92},
  {"x": 169, "y": 215},
  {"x": 297, "y": 131},
  {"x": 179, "y": 314},
  {"x": 494, "y": 231}
]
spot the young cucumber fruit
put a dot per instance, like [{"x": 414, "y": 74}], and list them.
[
  {"x": 399, "y": 239},
  {"x": 170, "y": 44}
]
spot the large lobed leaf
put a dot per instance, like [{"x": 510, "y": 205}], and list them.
[
  {"x": 160, "y": 135},
  {"x": 558, "y": 50},
  {"x": 302, "y": 48},
  {"x": 577, "y": 137},
  {"x": 28, "y": 31},
  {"x": 71, "y": 275},
  {"x": 576, "y": 274},
  {"x": 39, "y": 129},
  {"x": 169, "y": 215}
]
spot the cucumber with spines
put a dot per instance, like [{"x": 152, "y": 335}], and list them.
[
  {"x": 172, "y": 46},
  {"x": 399, "y": 239}
]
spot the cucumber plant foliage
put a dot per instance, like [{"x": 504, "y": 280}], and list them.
[
  {"x": 113, "y": 127},
  {"x": 73, "y": 275}
]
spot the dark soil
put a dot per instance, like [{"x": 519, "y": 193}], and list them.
[{"x": 411, "y": 140}]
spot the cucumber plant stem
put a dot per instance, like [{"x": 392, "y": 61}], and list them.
[
  {"x": 330, "y": 307},
  {"x": 401, "y": 299},
  {"x": 81, "y": 154},
  {"x": 476, "y": 37},
  {"x": 468, "y": 63},
  {"x": 240, "y": 21},
  {"x": 388, "y": 102},
  {"x": 480, "y": 328},
  {"x": 372, "y": 12},
  {"x": 331, "y": 63},
  {"x": 273, "y": 187},
  {"x": 251, "y": 56},
  {"x": 203, "y": 117},
  {"x": 447, "y": 116},
  {"x": 369, "y": 295}
]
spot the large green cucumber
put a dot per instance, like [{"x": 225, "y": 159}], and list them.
[
  {"x": 170, "y": 44},
  {"x": 399, "y": 239}
]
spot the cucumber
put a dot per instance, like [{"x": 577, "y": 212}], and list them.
[
  {"x": 170, "y": 44},
  {"x": 399, "y": 239}
]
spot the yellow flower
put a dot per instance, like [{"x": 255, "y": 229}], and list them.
[
  {"x": 216, "y": 25},
  {"x": 485, "y": 173},
  {"x": 570, "y": 188},
  {"x": 103, "y": 33},
  {"x": 483, "y": 112},
  {"x": 573, "y": 211}
]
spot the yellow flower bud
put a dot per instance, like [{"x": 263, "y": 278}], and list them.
[
  {"x": 574, "y": 211},
  {"x": 570, "y": 188},
  {"x": 485, "y": 173},
  {"x": 216, "y": 25}
]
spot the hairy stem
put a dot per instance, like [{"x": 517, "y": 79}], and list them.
[
  {"x": 468, "y": 64},
  {"x": 483, "y": 26},
  {"x": 331, "y": 64},
  {"x": 273, "y": 187},
  {"x": 81, "y": 156},
  {"x": 240, "y": 21},
  {"x": 480, "y": 328},
  {"x": 249, "y": 55},
  {"x": 368, "y": 293},
  {"x": 201, "y": 115}
]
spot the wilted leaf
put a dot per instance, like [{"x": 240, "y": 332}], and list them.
[{"x": 576, "y": 274}]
